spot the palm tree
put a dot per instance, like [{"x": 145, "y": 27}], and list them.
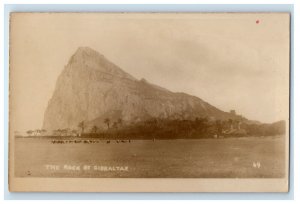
[
  {"x": 43, "y": 131},
  {"x": 94, "y": 129},
  {"x": 37, "y": 131},
  {"x": 29, "y": 132},
  {"x": 107, "y": 122},
  {"x": 64, "y": 132},
  {"x": 115, "y": 125},
  {"x": 82, "y": 126},
  {"x": 120, "y": 121}
]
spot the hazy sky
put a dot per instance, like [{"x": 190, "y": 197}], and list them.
[{"x": 229, "y": 60}]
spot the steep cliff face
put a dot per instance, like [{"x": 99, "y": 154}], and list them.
[{"x": 91, "y": 88}]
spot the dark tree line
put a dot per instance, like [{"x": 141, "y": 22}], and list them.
[
  {"x": 198, "y": 128},
  {"x": 170, "y": 129}
]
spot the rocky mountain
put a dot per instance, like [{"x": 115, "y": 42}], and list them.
[{"x": 91, "y": 88}]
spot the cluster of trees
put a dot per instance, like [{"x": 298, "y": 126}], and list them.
[
  {"x": 175, "y": 129},
  {"x": 277, "y": 128},
  {"x": 115, "y": 124},
  {"x": 58, "y": 132},
  {"x": 95, "y": 128},
  {"x": 65, "y": 132},
  {"x": 36, "y": 132},
  {"x": 170, "y": 129}
]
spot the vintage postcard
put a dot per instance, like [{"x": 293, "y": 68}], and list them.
[{"x": 149, "y": 102}]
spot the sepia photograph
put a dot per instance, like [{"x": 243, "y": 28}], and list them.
[{"x": 151, "y": 102}]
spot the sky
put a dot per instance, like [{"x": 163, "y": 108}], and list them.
[{"x": 232, "y": 61}]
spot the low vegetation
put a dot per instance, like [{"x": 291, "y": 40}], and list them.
[{"x": 168, "y": 129}]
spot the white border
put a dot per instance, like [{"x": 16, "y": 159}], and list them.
[{"x": 296, "y": 61}]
